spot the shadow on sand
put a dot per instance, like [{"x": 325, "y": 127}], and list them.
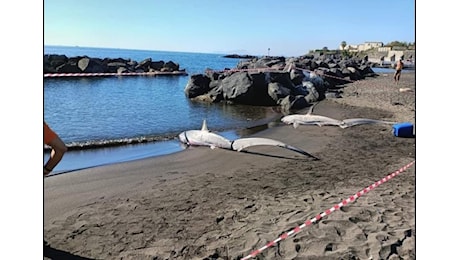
[{"x": 56, "y": 254}]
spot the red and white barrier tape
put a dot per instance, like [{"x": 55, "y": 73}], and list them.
[
  {"x": 327, "y": 212},
  {"x": 240, "y": 70},
  {"x": 56, "y": 75},
  {"x": 53, "y": 75},
  {"x": 278, "y": 69}
]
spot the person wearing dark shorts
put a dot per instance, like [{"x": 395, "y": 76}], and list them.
[{"x": 399, "y": 67}]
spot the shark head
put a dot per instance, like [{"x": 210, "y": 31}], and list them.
[{"x": 183, "y": 138}]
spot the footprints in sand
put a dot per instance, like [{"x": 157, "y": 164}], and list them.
[{"x": 258, "y": 207}]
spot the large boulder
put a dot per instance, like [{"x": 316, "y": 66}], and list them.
[
  {"x": 236, "y": 85},
  {"x": 245, "y": 88},
  {"x": 157, "y": 65},
  {"x": 144, "y": 65},
  {"x": 282, "y": 77},
  {"x": 277, "y": 91},
  {"x": 52, "y": 61},
  {"x": 170, "y": 66},
  {"x": 313, "y": 94},
  {"x": 68, "y": 68},
  {"x": 197, "y": 85},
  {"x": 354, "y": 73},
  {"x": 88, "y": 65},
  {"x": 112, "y": 67},
  {"x": 291, "y": 102},
  {"x": 296, "y": 76}
]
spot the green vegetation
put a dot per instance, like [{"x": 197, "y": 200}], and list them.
[
  {"x": 346, "y": 54},
  {"x": 395, "y": 45},
  {"x": 406, "y": 45}
]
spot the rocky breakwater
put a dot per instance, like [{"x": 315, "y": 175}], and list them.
[
  {"x": 293, "y": 83},
  {"x": 54, "y": 64}
]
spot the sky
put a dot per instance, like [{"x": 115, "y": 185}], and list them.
[
  {"x": 254, "y": 27},
  {"x": 291, "y": 28}
]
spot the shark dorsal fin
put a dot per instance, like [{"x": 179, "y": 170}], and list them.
[
  {"x": 311, "y": 108},
  {"x": 204, "y": 127}
]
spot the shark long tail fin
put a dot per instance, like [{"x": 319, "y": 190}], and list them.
[
  {"x": 295, "y": 149},
  {"x": 242, "y": 143}
]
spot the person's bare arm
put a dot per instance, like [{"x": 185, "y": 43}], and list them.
[{"x": 58, "y": 149}]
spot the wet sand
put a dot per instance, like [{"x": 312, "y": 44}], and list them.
[{"x": 206, "y": 203}]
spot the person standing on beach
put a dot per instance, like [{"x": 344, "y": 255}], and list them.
[
  {"x": 399, "y": 67},
  {"x": 58, "y": 148}
]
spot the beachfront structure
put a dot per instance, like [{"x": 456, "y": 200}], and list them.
[
  {"x": 384, "y": 49},
  {"x": 361, "y": 47},
  {"x": 394, "y": 56}
]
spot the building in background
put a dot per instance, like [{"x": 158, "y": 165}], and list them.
[{"x": 361, "y": 47}]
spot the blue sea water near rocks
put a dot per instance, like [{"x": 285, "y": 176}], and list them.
[{"x": 107, "y": 120}]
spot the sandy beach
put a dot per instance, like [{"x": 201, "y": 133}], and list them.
[{"x": 205, "y": 203}]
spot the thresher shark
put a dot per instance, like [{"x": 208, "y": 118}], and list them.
[{"x": 204, "y": 137}]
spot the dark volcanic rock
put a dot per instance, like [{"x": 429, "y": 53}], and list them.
[
  {"x": 82, "y": 64},
  {"x": 237, "y": 56},
  {"x": 292, "y": 83}
]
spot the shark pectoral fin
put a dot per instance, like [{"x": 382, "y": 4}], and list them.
[
  {"x": 296, "y": 124},
  {"x": 317, "y": 123},
  {"x": 212, "y": 147}
]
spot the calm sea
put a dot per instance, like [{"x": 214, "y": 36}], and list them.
[{"x": 142, "y": 115}]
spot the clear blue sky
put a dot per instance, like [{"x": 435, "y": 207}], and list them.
[{"x": 288, "y": 28}]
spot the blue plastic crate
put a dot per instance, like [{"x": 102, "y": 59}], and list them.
[{"x": 403, "y": 129}]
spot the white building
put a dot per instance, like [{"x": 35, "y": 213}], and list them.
[
  {"x": 361, "y": 47},
  {"x": 369, "y": 45},
  {"x": 384, "y": 49}
]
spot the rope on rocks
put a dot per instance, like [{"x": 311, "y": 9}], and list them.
[{"x": 279, "y": 69}]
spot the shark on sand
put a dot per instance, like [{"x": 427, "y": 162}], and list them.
[
  {"x": 310, "y": 119},
  {"x": 204, "y": 137}
]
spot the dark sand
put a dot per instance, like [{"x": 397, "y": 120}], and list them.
[{"x": 219, "y": 204}]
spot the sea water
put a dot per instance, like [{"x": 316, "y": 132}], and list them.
[
  {"x": 114, "y": 119},
  {"x": 107, "y": 120}
]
